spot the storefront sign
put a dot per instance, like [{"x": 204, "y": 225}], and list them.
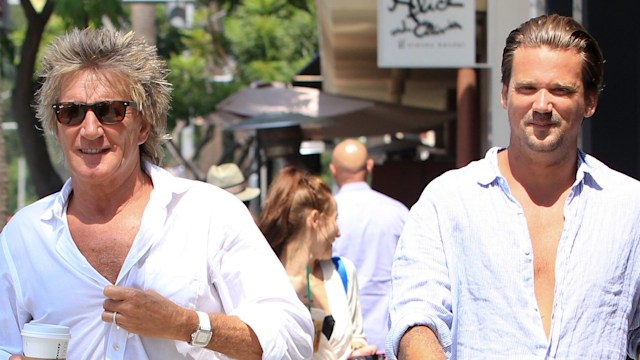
[{"x": 426, "y": 33}]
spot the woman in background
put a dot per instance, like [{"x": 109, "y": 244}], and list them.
[{"x": 299, "y": 222}]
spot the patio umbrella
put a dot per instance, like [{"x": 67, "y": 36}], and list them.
[{"x": 324, "y": 116}]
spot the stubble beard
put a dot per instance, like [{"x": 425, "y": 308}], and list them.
[{"x": 547, "y": 140}]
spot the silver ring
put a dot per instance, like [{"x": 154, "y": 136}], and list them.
[{"x": 113, "y": 318}]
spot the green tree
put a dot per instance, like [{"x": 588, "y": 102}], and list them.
[
  {"x": 271, "y": 39},
  {"x": 43, "y": 175},
  {"x": 194, "y": 57},
  {"x": 221, "y": 42}
]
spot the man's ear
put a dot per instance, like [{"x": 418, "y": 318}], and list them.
[
  {"x": 145, "y": 129},
  {"x": 369, "y": 165},
  {"x": 591, "y": 102},
  {"x": 503, "y": 96}
]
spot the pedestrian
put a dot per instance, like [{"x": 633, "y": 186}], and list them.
[
  {"x": 137, "y": 263},
  {"x": 229, "y": 177},
  {"x": 299, "y": 222},
  {"x": 370, "y": 224},
  {"x": 531, "y": 252}
]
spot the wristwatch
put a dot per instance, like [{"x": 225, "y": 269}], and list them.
[{"x": 202, "y": 336}]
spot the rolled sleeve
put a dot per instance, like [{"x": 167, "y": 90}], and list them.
[
  {"x": 397, "y": 330},
  {"x": 254, "y": 286},
  {"x": 421, "y": 289},
  {"x": 283, "y": 329}
]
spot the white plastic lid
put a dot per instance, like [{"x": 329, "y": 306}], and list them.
[{"x": 46, "y": 331}]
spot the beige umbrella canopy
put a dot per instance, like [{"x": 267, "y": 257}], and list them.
[{"x": 324, "y": 116}]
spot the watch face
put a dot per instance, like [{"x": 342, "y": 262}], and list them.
[{"x": 202, "y": 336}]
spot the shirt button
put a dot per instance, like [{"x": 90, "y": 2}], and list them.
[
  {"x": 527, "y": 251},
  {"x": 116, "y": 347}
]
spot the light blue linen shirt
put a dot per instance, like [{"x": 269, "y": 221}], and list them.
[{"x": 464, "y": 267}]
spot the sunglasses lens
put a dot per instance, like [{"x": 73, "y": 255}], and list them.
[
  {"x": 110, "y": 112},
  {"x": 70, "y": 114}
]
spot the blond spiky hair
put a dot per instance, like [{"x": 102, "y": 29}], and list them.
[{"x": 136, "y": 68}]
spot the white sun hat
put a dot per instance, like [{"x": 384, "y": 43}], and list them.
[{"x": 229, "y": 177}]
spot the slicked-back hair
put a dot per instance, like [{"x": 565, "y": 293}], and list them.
[
  {"x": 562, "y": 33},
  {"x": 292, "y": 194},
  {"x": 127, "y": 63}
]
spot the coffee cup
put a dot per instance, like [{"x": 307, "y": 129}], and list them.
[
  {"x": 317, "y": 315},
  {"x": 45, "y": 341}
]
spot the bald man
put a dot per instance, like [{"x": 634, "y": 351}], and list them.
[{"x": 370, "y": 224}]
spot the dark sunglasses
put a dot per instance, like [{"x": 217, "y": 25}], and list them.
[{"x": 107, "y": 112}]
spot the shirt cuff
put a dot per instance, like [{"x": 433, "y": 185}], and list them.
[
  {"x": 400, "y": 327},
  {"x": 282, "y": 334}
]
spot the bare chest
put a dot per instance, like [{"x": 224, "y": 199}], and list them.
[
  {"x": 545, "y": 224},
  {"x": 105, "y": 246}
]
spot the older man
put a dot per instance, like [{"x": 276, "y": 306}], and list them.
[{"x": 137, "y": 263}]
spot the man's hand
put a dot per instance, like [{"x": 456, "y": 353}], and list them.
[
  {"x": 148, "y": 313},
  {"x": 365, "y": 350}
]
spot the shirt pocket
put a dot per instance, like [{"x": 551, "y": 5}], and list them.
[
  {"x": 499, "y": 320},
  {"x": 180, "y": 287},
  {"x": 604, "y": 304}
]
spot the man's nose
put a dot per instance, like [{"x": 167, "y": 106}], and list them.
[
  {"x": 91, "y": 126},
  {"x": 542, "y": 103}
]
